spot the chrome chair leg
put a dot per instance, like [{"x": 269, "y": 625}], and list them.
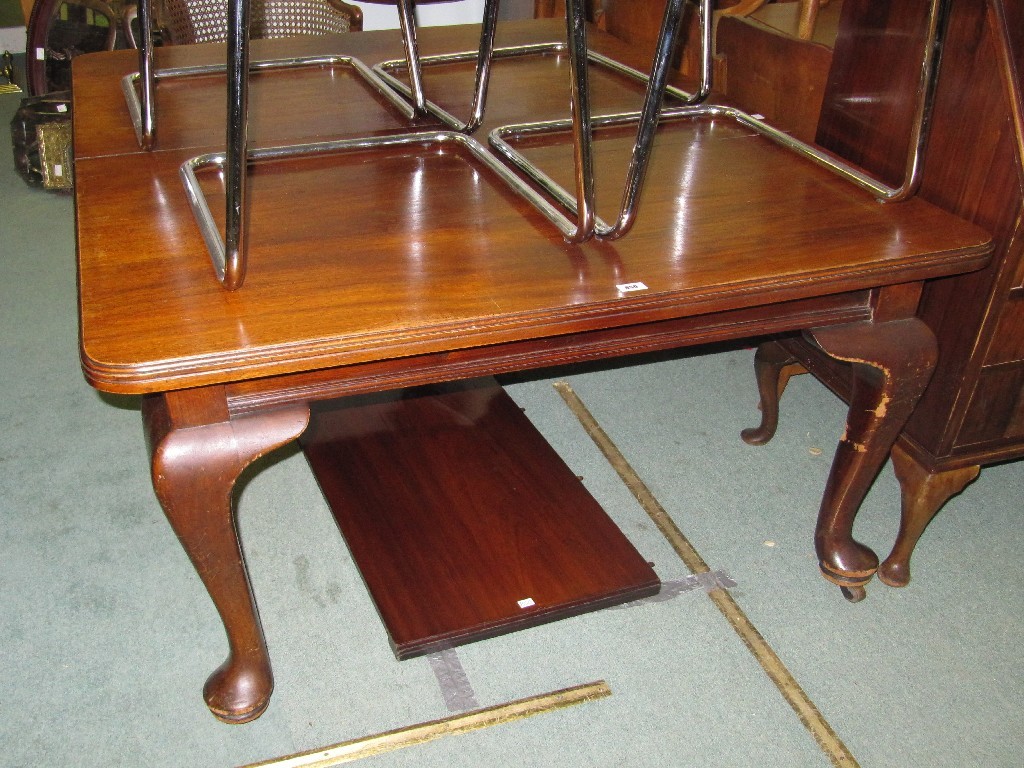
[
  {"x": 148, "y": 75},
  {"x": 581, "y": 123},
  {"x": 407, "y": 21},
  {"x": 483, "y": 66},
  {"x": 237, "y": 157},
  {"x": 651, "y": 112},
  {"x": 582, "y": 130}
]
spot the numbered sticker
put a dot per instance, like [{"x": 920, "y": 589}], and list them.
[
  {"x": 630, "y": 287},
  {"x": 526, "y": 602}
]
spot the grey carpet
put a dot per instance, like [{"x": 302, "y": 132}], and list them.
[{"x": 106, "y": 634}]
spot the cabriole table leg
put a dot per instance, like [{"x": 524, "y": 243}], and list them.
[
  {"x": 773, "y": 366},
  {"x": 198, "y": 452},
  {"x": 891, "y": 364},
  {"x": 923, "y": 494}
]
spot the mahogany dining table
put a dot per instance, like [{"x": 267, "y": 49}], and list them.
[{"x": 384, "y": 268}]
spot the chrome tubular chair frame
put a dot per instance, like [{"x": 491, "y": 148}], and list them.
[
  {"x": 236, "y": 167},
  {"x": 145, "y": 125},
  {"x": 407, "y": 21},
  {"x": 581, "y": 117},
  {"x": 218, "y": 248},
  {"x": 648, "y": 120},
  {"x": 385, "y": 70},
  {"x": 229, "y": 258},
  {"x": 229, "y": 255},
  {"x": 132, "y": 84},
  {"x": 231, "y": 267}
]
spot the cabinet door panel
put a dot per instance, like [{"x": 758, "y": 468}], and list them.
[{"x": 996, "y": 412}]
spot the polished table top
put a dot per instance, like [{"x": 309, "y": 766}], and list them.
[{"x": 385, "y": 254}]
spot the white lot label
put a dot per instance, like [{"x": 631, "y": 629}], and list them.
[{"x": 627, "y": 287}]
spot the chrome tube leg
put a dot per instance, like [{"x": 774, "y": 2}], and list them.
[
  {"x": 650, "y": 113},
  {"x": 938, "y": 18},
  {"x": 582, "y": 131},
  {"x": 483, "y": 64},
  {"x": 237, "y": 160},
  {"x": 407, "y": 20},
  {"x": 147, "y": 75},
  {"x": 707, "y": 51}
]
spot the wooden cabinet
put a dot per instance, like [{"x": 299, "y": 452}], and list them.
[{"x": 972, "y": 412}]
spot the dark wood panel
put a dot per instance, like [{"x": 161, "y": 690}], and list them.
[
  {"x": 973, "y": 168},
  {"x": 1013, "y": 14},
  {"x": 1009, "y": 334},
  {"x": 778, "y": 76},
  {"x": 868, "y": 109},
  {"x": 463, "y": 521},
  {"x": 638, "y": 22},
  {"x": 635, "y": 21},
  {"x": 996, "y": 411}
]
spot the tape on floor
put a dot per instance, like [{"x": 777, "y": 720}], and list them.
[
  {"x": 707, "y": 581},
  {"x": 451, "y": 676}
]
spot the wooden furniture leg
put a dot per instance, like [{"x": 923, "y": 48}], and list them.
[
  {"x": 774, "y": 365},
  {"x": 198, "y": 452},
  {"x": 891, "y": 362},
  {"x": 923, "y": 494},
  {"x": 808, "y": 18}
]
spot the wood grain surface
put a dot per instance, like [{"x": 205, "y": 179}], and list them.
[
  {"x": 384, "y": 254},
  {"x": 463, "y": 521}
]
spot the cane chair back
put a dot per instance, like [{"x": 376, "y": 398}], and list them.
[{"x": 206, "y": 21}]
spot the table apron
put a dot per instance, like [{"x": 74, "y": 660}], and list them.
[{"x": 265, "y": 393}]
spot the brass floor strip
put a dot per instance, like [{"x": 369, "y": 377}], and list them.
[
  {"x": 412, "y": 735},
  {"x": 809, "y": 715}
]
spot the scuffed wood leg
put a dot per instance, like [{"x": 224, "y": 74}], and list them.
[
  {"x": 891, "y": 364},
  {"x": 197, "y": 453},
  {"x": 773, "y": 367},
  {"x": 923, "y": 495}
]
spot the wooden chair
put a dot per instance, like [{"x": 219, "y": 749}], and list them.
[{"x": 62, "y": 29}]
